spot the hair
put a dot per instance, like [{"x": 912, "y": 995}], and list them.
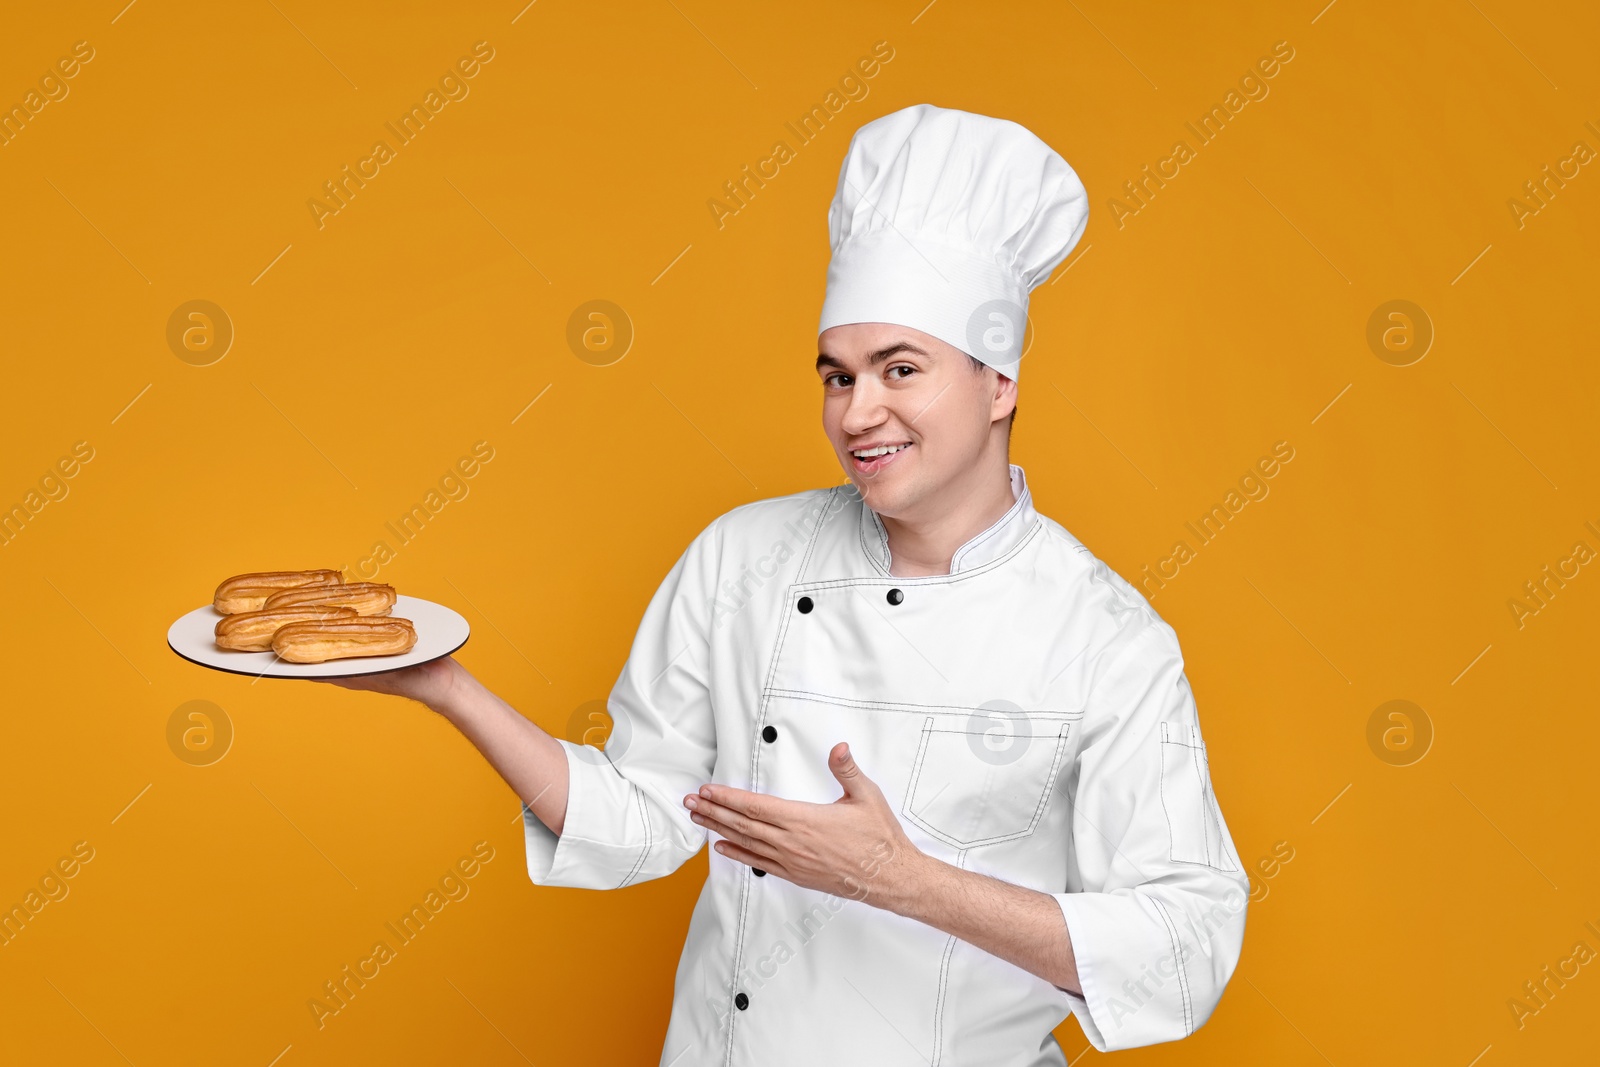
[{"x": 978, "y": 367}]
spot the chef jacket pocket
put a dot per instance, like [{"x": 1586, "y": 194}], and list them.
[
  {"x": 1193, "y": 818},
  {"x": 973, "y": 785}
]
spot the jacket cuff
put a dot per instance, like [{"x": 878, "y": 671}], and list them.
[
  {"x": 576, "y": 858},
  {"x": 1131, "y": 970},
  {"x": 1085, "y": 952}
]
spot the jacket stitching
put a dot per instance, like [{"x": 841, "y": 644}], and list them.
[
  {"x": 1213, "y": 815},
  {"x": 1161, "y": 790},
  {"x": 1055, "y": 769},
  {"x": 875, "y": 558},
  {"x": 811, "y": 543},
  {"x": 1206, "y": 820},
  {"x": 755, "y": 773},
  {"x": 649, "y": 836},
  {"x": 869, "y": 518},
  {"x": 901, "y": 705},
  {"x": 944, "y": 982},
  {"x": 1038, "y": 809},
  {"x": 993, "y": 531},
  {"x": 1205, "y": 813},
  {"x": 919, "y": 581},
  {"x": 783, "y": 630},
  {"x": 916, "y": 772},
  {"x": 1182, "y": 965}
]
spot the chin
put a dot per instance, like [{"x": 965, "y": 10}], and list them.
[{"x": 887, "y": 496}]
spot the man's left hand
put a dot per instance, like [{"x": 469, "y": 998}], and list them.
[{"x": 853, "y": 847}]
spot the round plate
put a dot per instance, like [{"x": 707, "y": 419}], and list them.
[{"x": 440, "y": 631}]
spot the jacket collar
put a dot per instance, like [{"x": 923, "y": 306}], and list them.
[{"x": 1007, "y": 532}]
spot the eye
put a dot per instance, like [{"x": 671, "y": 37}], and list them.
[
  {"x": 899, "y": 367},
  {"x": 838, "y": 381}
]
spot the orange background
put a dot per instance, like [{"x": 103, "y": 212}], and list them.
[{"x": 371, "y": 353}]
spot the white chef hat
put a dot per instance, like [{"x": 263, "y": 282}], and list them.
[{"x": 945, "y": 221}]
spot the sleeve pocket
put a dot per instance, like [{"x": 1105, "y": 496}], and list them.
[{"x": 1193, "y": 818}]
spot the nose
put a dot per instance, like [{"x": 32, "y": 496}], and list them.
[{"x": 865, "y": 409}]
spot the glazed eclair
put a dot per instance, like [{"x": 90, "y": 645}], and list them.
[
  {"x": 367, "y": 598},
  {"x": 249, "y": 592},
  {"x": 251, "y": 631},
  {"x": 318, "y": 642}
]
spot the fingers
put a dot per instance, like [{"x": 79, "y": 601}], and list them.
[
  {"x": 759, "y": 807},
  {"x": 848, "y": 773},
  {"x": 721, "y": 821},
  {"x": 389, "y": 683},
  {"x": 750, "y": 859},
  {"x": 753, "y": 845},
  {"x": 732, "y": 817},
  {"x": 374, "y": 682}
]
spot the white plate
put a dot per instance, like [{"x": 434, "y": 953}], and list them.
[{"x": 440, "y": 631}]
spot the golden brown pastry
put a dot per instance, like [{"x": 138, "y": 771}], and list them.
[
  {"x": 249, "y": 592},
  {"x": 251, "y": 631},
  {"x": 318, "y": 642},
  {"x": 368, "y": 598}
]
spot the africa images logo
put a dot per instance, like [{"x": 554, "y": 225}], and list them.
[{"x": 452, "y": 84}]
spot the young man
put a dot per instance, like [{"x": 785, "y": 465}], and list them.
[{"x": 949, "y": 760}]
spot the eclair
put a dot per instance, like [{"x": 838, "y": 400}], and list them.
[
  {"x": 249, "y": 592},
  {"x": 318, "y": 642},
  {"x": 367, "y": 598},
  {"x": 251, "y": 631}
]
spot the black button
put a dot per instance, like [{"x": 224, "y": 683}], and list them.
[
  {"x": 895, "y": 596},
  {"x": 769, "y": 733},
  {"x": 804, "y": 604},
  {"x": 741, "y": 1002},
  {"x": 759, "y": 872}
]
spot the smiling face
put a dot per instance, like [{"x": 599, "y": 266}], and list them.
[{"x": 911, "y": 422}]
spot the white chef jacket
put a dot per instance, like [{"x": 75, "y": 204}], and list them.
[{"x": 1026, "y": 715}]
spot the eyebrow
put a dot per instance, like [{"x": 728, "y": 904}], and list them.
[{"x": 875, "y": 358}]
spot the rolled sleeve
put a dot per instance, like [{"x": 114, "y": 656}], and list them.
[
  {"x": 1157, "y": 914},
  {"x": 592, "y": 851},
  {"x": 625, "y": 822}
]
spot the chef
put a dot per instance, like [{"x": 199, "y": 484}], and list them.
[{"x": 948, "y": 760}]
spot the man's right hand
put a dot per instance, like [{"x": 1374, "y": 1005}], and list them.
[{"x": 430, "y": 683}]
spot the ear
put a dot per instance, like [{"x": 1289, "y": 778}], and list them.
[{"x": 1005, "y": 396}]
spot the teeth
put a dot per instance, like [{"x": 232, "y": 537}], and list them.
[{"x": 884, "y": 450}]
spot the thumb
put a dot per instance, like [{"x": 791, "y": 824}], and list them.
[{"x": 842, "y": 762}]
